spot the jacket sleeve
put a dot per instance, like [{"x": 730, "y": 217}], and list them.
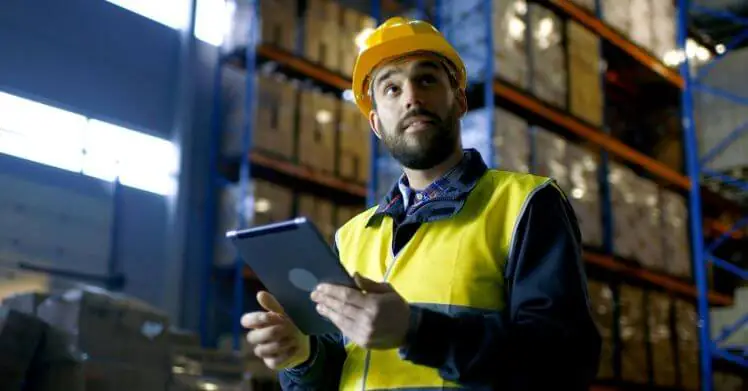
[
  {"x": 546, "y": 338},
  {"x": 323, "y": 369}
]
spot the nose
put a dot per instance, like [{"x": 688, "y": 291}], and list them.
[{"x": 412, "y": 96}]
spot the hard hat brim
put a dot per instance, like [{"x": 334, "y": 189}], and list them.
[{"x": 377, "y": 55}]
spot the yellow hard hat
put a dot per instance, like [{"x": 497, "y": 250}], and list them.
[{"x": 397, "y": 37}]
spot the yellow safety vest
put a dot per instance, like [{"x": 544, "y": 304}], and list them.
[{"x": 451, "y": 265}]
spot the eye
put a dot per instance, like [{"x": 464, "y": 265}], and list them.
[
  {"x": 391, "y": 89},
  {"x": 427, "y": 80}
]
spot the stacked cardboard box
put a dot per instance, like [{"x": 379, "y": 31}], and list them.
[
  {"x": 273, "y": 127},
  {"x": 354, "y": 153},
  {"x": 511, "y": 142},
  {"x": 126, "y": 342},
  {"x": 674, "y": 234},
  {"x": 633, "y": 337},
  {"x": 589, "y": 5},
  {"x": 728, "y": 382},
  {"x": 686, "y": 320},
  {"x": 601, "y": 302},
  {"x": 549, "y": 76},
  {"x": 585, "y": 95},
  {"x": 344, "y": 213},
  {"x": 575, "y": 169},
  {"x": 322, "y": 33},
  {"x": 354, "y": 24},
  {"x": 264, "y": 203},
  {"x": 510, "y": 45},
  {"x": 660, "y": 336},
  {"x": 279, "y": 26},
  {"x": 317, "y": 130},
  {"x": 320, "y": 211}
]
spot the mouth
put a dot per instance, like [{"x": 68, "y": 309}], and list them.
[{"x": 418, "y": 123}]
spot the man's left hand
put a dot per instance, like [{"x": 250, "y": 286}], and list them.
[{"x": 375, "y": 317}]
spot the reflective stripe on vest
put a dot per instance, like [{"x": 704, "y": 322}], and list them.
[{"x": 450, "y": 265}]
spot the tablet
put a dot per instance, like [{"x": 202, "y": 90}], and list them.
[{"x": 290, "y": 258}]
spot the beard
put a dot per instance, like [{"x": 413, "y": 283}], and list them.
[{"x": 427, "y": 148}]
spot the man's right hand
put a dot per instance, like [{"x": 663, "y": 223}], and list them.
[{"x": 273, "y": 337}]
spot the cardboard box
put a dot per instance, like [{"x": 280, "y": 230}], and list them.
[
  {"x": 549, "y": 78},
  {"x": 601, "y": 302},
  {"x": 648, "y": 250},
  {"x": 355, "y": 135},
  {"x": 585, "y": 95},
  {"x": 510, "y": 44},
  {"x": 345, "y": 213},
  {"x": 660, "y": 336},
  {"x": 623, "y": 189},
  {"x": 511, "y": 142},
  {"x": 550, "y": 159},
  {"x": 633, "y": 337},
  {"x": 589, "y": 5},
  {"x": 320, "y": 211},
  {"x": 322, "y": 33},
  {"x": 676, "y": 247},
  {"x": 353, "y": 24},
  {"x": 92, "y": 316},
  {"x": 264, "y": 203},
  {"x": 26, "y": 303},
  {"x": 582, "y": 189},
  {"x": 278, "y": 24},
  {"x": 273, "y": 126},
  {"x": 318, "y": 128},
  {"x": 663, "y": 28}
]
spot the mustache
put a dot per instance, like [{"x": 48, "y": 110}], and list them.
[{"x": 419, "y": 112}]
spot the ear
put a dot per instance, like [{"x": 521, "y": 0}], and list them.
[
  {"x": 461, "y": 97},
  {"x": 374, "y": 124}
]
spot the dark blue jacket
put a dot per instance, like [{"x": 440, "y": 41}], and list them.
[{"x": 546, "y": 337}]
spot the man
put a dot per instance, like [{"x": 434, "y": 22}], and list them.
[{"x": 469, "y": 277}]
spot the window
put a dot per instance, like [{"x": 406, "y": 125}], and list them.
[
  {"x": 213, "y": 18},
  {"x": 58, "y": 138}
]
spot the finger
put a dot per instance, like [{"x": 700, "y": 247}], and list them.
[
  {"x": 259, "y": 319},
  {"x": 268, "y": 302},
  {"x": 268, "y": 334},
  {"x": 334, "y": 305},
  {"x": 339, "y": 293},
  {"x": 372, "y": 286},
  {"x": 345, "y": 322},
  {"x": 283, "y": 359},
  {"x": 274, "y": 349}
]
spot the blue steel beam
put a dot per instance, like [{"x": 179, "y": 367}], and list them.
[
  {"x": 724, "y": 354},
  {"x": 250, "y": 54},
  {"x": 701, "y": 87},
  {"x": 722, "y": 145},
  {"x": 729, "y": 266},
  {"x": 727, "y": 331},
  {"x": 373, "y": 185},
  {"x": 694, "y": 201},
  {"x": 720, "y": 14},
  {"x": 727, "y": 235},
  {"x": 734, "y": 42},
  {"x": 728, "y": 180}
]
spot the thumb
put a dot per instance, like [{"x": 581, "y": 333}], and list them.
[
  {"x": 372, "y": 286},
  {"x": 269, "y": 303}
]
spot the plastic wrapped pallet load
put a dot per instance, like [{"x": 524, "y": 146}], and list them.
[
  {"x": 616, "y": 14},
  {"x": 648, "y": 248},
  {"x": 623, "y": 202},
  {"x": 510, "y": 45},
  {"x": 633, "y": 337},
  {"x": 660, "y": 336},
  {"x": 511, "y": 142},
  {"x": 601, "y": 302},
  {"x": 641, "y": 18},
  {"x": 686, "y": 320},
  {"x": 674, "y": 234},
  {"x": 549, "y": 76}
]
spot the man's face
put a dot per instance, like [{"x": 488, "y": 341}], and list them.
[{"x": 417, "y": 111}]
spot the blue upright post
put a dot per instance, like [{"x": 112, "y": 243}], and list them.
[
  {"x": 244, "y": 172},
  {"x": 488, "y": 80},
  {"x": 373, "y": 185},
  {"x": 694, "y": 173}
]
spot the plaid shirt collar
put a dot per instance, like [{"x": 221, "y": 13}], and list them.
[{"x": 451, "y": 188}]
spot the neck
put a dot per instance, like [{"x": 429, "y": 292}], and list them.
[{"x": 421, "y": 179}]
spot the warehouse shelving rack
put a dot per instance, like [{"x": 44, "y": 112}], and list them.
[
  {"x": 495, "y": 92},
  {"x": 710, "y": 348}
]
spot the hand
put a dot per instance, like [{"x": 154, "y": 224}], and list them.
[
  {"x": 274, "y": 338},
  {"x": 376, "y": 318}
]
